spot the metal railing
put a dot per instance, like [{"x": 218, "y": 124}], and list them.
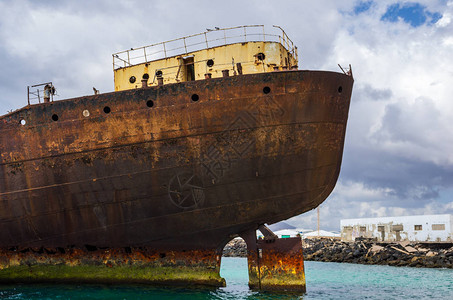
[
  {"x": 38, "y": 93},
  {"x": 208, "y": 39}
]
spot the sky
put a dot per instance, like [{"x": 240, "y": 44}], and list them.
[{"x": 398, "y": 154}]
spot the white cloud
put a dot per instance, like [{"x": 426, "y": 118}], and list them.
[{"x": 399, "y": 143}]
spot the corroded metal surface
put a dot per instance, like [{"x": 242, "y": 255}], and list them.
[
  {"x": 180, "y": 166},
  {"x": 110, "y": 265},
  {"x": 255, "y": 49},
  {"x": 275, "y": 264}
]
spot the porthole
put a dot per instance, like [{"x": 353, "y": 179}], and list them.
[
  {"x": 266, "y": 90},
  {"x": 260, "y": 56},
  {"x": 340, "y": 89},
  {"x": 23, "y": 122},
  {"x": 107, "y": 109},
  {"x": 159, "y": 73},
  {"x": 150, "y": 103},
  {"x": 145, "y": 76},
  {"x": 195, "y": 97},
  {"x": 132, "y": 79},
  {"x": 210, "y": 63},
  {"x": 55, "y": 117},
  {"x": 86, "y": 113}
]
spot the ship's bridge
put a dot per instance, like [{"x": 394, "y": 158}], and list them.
[{"x": 214, "y": 53}]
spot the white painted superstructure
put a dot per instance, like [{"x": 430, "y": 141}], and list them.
[{"x": 423, "y": 228}]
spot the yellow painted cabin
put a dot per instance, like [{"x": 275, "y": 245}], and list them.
[{"x": 240, "y": 50}]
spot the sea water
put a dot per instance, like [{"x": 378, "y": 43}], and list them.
[{"x": 324, "y": 281}]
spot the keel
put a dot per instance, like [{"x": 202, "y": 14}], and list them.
[{"x": 111, "y": 265}]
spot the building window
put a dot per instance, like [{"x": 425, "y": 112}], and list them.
[
  {"x": 417, "y": 227},
  {"x": 381, "y": 228},
  {"x": 347, "y": 228},
  {"x": 438, "y": 226},
  {"x": 397, "y": 227},
  {"x": 362, "y": 229}
]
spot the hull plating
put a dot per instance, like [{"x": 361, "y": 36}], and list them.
[{"x": 152, "y": 167}]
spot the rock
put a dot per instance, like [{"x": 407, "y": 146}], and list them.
[
  {"x": 376, "y": 248},
  {"x": 404, "y": 243},
  {"x": 430, "y": 254},
  {"x": 366, "y": 252},
  {"x": 410, "y": 249},
  {"x": 414, "y": 259},
  {"x": 235, "y": 248}
]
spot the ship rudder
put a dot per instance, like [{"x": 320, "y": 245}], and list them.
[{"x": 275, "y": 264}]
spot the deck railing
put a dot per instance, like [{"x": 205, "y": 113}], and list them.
[
  {"x": 208, "y": 39},
  {"x": 37, "y": 93}
]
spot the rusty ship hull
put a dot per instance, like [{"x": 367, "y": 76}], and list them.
[{"x": 181, "y": 167}]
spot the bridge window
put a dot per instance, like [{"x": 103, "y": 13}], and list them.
[{"x": 397, "y": 228}]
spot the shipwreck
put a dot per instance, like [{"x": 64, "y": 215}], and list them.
[{"x": 205, "y": 138}]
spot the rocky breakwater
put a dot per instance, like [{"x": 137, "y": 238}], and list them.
[
  {"x": 435, "y": 255},
  {"x": 235, "y": 248}
]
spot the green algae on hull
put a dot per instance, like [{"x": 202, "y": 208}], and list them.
[
  {"x": 115, "y": 274},
  {"x": 111, "y": 265}
]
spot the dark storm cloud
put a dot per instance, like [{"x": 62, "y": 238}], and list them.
[
  {"x": 401, "y": 154},
  {"x": 409, "y": 179},
  {"x": 414, "y": 123}
]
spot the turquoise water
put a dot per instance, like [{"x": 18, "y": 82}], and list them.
[{"x": 324, "y": 281}]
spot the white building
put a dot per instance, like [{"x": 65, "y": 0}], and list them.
[{"x": 425, "y": 228}]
